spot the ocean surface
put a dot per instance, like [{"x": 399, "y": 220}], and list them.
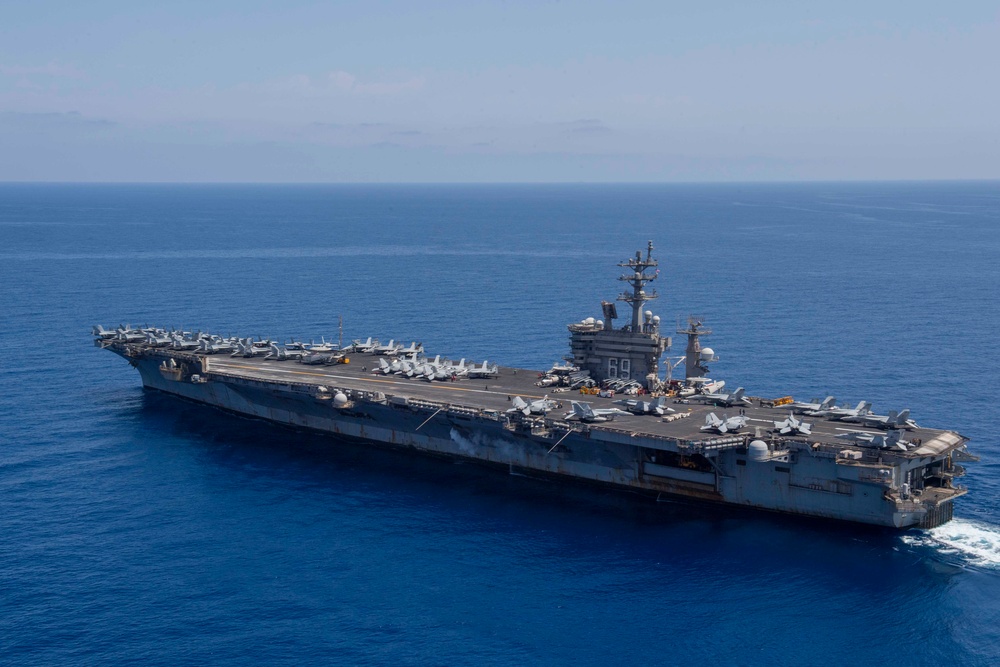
[{"x": 136, "y": 529}]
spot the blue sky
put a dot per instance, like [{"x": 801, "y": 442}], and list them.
[{"x": 498, "y": 91}]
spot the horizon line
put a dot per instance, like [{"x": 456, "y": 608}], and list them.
[{"x": 499, "y": 182}]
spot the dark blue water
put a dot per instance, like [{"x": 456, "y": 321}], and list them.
[{"x": 136, "y": 529}]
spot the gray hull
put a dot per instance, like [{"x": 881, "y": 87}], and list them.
[{"x": 799, "y": 480}]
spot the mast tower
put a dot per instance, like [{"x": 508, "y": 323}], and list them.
[{"x": 638, "y": 279}]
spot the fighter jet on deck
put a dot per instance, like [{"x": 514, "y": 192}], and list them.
[
  {"x": 321, "y": 347},
  {"x": 893, "y": 420},
  {"x": 724, "y": 425},
  {"x": 364, "y": 346},
  {"x": 826, "y": 403},
  {"x": 793, "y": 426},
  {"x": 722, "y": 400},
  {"x": 863, "y": 408},
  {"x": 891, "y": 440},
  {"x": 657, "y": 406},
  {"x": 320, "y": 358},
  {"x": 539, "y": 407},
  {"x": 389, "y": 349},
  {"x": 103, "y": 333},
  {"x": 276, "y": 353},
  {"x": 412, "y": 348},
  {"x": 585, "y": 413},
  {"x": 214, "y": 346},
  {"x": 484, "y": 371}
]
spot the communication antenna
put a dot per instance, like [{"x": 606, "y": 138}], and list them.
[
  {"x": 638, "y": 279},
  {"x": 340, "y": 342}
]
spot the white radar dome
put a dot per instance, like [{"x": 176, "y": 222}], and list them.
[
  {"x": 707, "y": 353},
  {"x": 340, "y": 399},
  {"x": 758, "y": 451},
  {"x": 656, "y": 319},
  {"x": 649, "y": 314},
  {"x": 600, "y": 323},
  {"x": 589, "y": 320}
]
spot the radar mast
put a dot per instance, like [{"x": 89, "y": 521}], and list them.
[
  {"x": 638, "y": 279},
  {"x": 696, "y": 356}
]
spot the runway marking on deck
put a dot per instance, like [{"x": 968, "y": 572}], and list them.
[{"x": 367, "y": 379}]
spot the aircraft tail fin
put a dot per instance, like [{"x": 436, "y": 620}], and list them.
[{"x": 827, "y": 403}]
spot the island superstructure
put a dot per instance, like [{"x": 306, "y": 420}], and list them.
[{"x": 610, "y": 415}]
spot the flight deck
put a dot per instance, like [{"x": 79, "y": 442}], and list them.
[{"x": 497, "y": 393}]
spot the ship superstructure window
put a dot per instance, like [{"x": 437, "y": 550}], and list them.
[
  {"x": 612, "y": 368},
  {"x": 625, "y": 368}
]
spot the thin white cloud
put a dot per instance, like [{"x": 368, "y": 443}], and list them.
[
  {"x": 51, "y": 69},
  {"x": 336, "y": 82}
]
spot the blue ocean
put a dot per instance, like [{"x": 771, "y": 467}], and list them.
[{"x": 137, "y": 529}]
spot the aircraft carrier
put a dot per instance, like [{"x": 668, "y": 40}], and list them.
[{"x": 611, "y": 414}]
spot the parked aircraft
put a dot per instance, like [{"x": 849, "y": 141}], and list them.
[
  {"x": 443, "y": 370},
  {"x": 722, "y": 400},
  {"x": 700, "y": 385},
  {"x": 484, "y": 371},
  {"x": 129, "y": 335},
  {"x": 103, "y": 333},
  {"x": 389, "y": 349},
  {"x": 657, "y": 406},
  {"x": 724, "y": 425},
  {"x": 214, "y": 346},
  {"x": 323, "y": 346},
  {"x": 364, "y": 346},
  {"x": 539, "y": 407},
  {"x": 801, "y": 407},
  {"x": 186, "y": 343},
  {"x": 891, "y": 440},
  {"x": 248, "y": 348},
  {"x": 893, "y": 420},
  {"x": 276, "y": 353},
  {"x": 155, "y": 340},
  {"x": 412, "y": 348},
  {"x": 794, "y": 426},
  {"x": 319, "y": 358},
  {"x": 585, "y": 413},
  {"x": 863, "y": 408}
]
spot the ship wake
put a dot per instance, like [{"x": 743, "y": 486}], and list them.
[{"x": 972, "y": 542}]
